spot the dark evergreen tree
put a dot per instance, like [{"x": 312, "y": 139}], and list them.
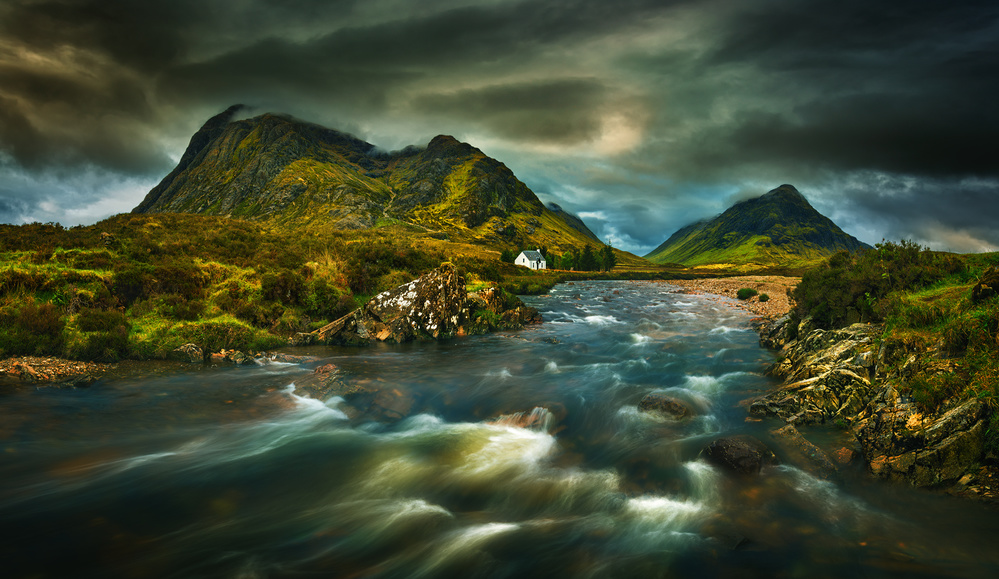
[
  {"x": 508, "y": 256},
  {"x": 587, "y": 260},
  {"x": 607, "y": 258}
]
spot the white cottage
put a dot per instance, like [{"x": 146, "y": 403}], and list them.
[{"x": 531, "y": 259}]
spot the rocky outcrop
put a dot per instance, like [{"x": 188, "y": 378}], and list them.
[
  {"x": 856, "y": 379},
  {"x": 432, "y": 307},
  {"x": 901, "y": 444},
  {"x": 827, "y": 377},
  {"x": 742, "y": 454}
]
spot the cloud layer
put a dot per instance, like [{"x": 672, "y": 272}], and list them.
[{"x": 643, "y": 115}]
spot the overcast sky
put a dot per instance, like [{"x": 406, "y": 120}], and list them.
[{"x": 639, "y": 115}]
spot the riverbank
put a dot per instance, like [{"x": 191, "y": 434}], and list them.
[{"x": 776, "y": 287}]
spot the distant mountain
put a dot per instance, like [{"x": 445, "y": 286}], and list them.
[
  {"x": 779, "y": 228},
  {"x": 573, "y": 221},
  {"x": 297, "y": 174}
]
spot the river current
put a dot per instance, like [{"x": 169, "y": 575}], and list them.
[{"x": 519, "y": 454}]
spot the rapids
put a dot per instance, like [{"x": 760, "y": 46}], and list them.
[{"x": 522, "y": 454}]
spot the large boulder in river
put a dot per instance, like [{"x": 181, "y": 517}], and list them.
[
  {"x": 742, "y": 454},
  {"x": 432, "y": 307}
]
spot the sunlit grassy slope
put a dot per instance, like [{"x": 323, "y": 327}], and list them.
[{"x": 301, "y": 177}]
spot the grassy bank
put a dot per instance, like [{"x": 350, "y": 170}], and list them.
[
  {"x": 138, "y": 286},
  {"x": 924, "y": 299}
]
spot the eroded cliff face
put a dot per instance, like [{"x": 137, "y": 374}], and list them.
[{"x": 851, "y": 378}]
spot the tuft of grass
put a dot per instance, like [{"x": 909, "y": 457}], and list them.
[{"x": 746, "y": 293}]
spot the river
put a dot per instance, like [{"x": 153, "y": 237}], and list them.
[{"x": 225, "y": 472}]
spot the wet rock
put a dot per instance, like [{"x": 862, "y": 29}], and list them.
[
  {"x": 322, "y": 384},
  {"x": 742, "y": 454},
  {"x": 901, "y": 444},
  {"x": 303, "y": 339},
  {"x": 231, "y": 357},
  {"x": 664, "y": 405},
  {"x": 188, "y": 353},
  {"x": 79, "y": 381},
  {"x": 827, "y": 377},
  {"x": 392, "y": 403},
  {"x": 802, "y": 452},
  {"x": 844, "y": 456},
  {"x": 271, "y": 357},
  {"x": 773, "y": 333},
  {"x": 539, "y": 419},
  {"x": 839, "y": 376}
]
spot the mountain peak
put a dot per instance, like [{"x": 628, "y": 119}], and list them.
[
  {"x": 299, "y": 174},
  {"x": 778, "y": 228},
  {"x": 448, "y": 146},
  {"x": 784, "y": 193}
]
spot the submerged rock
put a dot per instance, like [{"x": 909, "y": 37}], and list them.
[
  {"x": 742, "y": 454},
  {"x": 802, "y": 452},
  {"x": 322, "y": 384},
  {"x": 664, "y": 405}
]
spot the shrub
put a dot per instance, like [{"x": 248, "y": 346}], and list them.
[
  {"x": 94, "y": 320},
  {"x": 746, "y": 293},
  {"x": 32, "y": 329},
  {"x": 93, "y": 260},
  {"x": 179, "y": 277},
  {"x": 861, "y": 281},
  {"x": 327, "y": 301},
  {"x": 286, "y": 286},
  {"x": 215, "y": 336},
  {"x": 131, "y": 282},
  {"x": 764, "y": 298},
  {"x": 180, "y": 308},
  {"x": 102, "y": 346}
]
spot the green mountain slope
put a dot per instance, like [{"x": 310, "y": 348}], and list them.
[
  {"x": 302, "y": 176},
  {"x": 777, "y": 229}
]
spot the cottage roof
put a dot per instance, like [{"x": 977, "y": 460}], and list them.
[{"x": 533, "y": 255}]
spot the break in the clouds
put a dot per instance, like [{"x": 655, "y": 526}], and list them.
[{"x": 640, "y": 115}]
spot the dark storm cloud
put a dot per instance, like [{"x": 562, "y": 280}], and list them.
[
  {"x": 555, "y": 111},
  {"x": 643, "y": 114},
  {"x": 900, "y": 87}
]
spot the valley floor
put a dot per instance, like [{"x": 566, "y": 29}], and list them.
[{"x": 776, "y": 287}]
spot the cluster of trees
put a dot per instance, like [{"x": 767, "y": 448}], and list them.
[{"x": 575, "y": 259}]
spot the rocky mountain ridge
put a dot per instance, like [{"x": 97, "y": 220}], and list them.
[
  {"x": 297, "y": 174},
  {"x": 776, "y": 229}
]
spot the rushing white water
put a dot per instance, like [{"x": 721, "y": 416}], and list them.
[{"x": 518, "y": 454}]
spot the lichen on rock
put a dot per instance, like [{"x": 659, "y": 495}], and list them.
[{"x": 435, "y": 306}]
